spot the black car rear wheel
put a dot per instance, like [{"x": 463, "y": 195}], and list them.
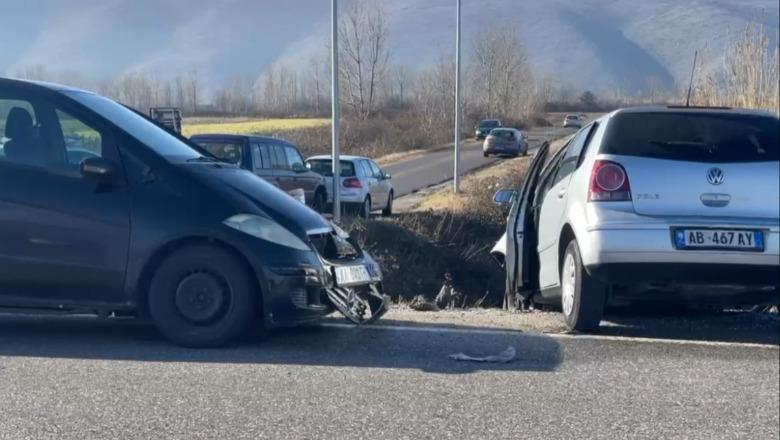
[{"x": 202, "y": 296}]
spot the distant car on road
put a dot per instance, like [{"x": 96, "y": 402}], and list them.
[
  {"x": 485, "y": 126},
  {"x": 275, "y": 160},
  {"x": 657, "y": 203},
  {"x": 365, "y": 187},
  {"x": 572, "y": 121},
  {"x": 505, "y": 142}
]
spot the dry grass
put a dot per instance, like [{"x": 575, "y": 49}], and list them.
[
  {"x": 750, "y": 77},
  {"x": 249, "y": 126}
]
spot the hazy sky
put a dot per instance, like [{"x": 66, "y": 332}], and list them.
[{"x": 588, "y": 43}]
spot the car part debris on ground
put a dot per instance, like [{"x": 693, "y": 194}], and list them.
[{"x": 504, "y": 357}]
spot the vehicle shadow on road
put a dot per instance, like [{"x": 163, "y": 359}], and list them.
[
  {"x": 737, "y": 327},
  {"x": 314, "y": 345}
]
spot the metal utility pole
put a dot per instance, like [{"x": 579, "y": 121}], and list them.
[
  {"x": 335, "y": 113},
  {"x": 456, "y": 179}
]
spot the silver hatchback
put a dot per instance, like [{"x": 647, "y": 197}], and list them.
[{"x": 658, "y": 203}]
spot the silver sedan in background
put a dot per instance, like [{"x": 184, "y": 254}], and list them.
[{"x": 505, "y": 142}]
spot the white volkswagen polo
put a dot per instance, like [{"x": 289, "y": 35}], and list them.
[{"x": 653, "y": 203}]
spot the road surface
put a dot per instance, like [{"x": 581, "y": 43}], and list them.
[
  {"x": 65, "y": 379},
  {"x": 437, "y": 166}
]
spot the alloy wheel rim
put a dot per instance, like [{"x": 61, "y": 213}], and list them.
[{"x": 568, "y": 281}]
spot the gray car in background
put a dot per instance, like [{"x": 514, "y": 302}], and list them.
[
  {"x": 650, "y": 204},
  {"x": 505, "y": 142}
]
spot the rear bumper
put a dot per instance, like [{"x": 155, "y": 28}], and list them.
[
  {"x": 644, "y": 252},
  {"x": 686, "y": 273},
  {"x": 506, "y": 148}
]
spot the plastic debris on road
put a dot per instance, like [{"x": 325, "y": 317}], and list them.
[{"x": 504, "y": 357}]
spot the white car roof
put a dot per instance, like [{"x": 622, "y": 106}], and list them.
[{"x": 677, "y": 109}]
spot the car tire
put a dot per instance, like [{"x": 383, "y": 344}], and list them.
[
  {"x": 320, "y": 200},
  {"x": 485, "y": 154},
  {"x": 582, "y": 297},
  {"x": 202, "y": 296},
  {"x": 388, "y": 211},
  {"x": 365, "y": 209}
]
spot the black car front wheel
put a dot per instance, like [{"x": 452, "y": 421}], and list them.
[
  {"x": 388, "y": 211},
  {"x": 202, "y": 296}
]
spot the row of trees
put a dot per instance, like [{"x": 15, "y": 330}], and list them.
[{"x": 499, "y": 82}]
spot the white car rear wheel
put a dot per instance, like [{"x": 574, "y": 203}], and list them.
[{"x": 582, "y": 297}]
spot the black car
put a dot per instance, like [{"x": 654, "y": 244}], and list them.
[
  {"x": 278, "y": 162},
  {"x": 485, "y": 126},
  {"x": 151, "y": 225}
]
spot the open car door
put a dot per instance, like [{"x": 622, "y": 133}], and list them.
[{"x": 519, "y": 242}]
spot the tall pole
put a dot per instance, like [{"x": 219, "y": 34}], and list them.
[
  {"x": 335, "y": 113},
  {"x": 456, "y": 179}
]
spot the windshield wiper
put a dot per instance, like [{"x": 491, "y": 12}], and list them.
[{"x": 204, "y": 159}]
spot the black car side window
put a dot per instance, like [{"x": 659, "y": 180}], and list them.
[
  {"x": 279, "y": 158},
  {"x": 35, "y": 133}
]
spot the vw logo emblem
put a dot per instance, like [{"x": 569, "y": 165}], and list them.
[{"x": 715, "y": 176}]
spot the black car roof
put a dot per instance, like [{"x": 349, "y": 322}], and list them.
[
  {"x": 39, "y": 84},
  {"x": 239, "y": 137}
]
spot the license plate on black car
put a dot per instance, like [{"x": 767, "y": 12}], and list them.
[
  {"x": 720, "y": 239},
  {"x": 352, "y": 275}
]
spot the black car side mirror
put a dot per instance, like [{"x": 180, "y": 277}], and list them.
[{"x": 98, "y": 169}]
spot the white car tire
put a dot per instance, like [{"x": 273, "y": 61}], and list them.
[{"x": 582, "y": 297}]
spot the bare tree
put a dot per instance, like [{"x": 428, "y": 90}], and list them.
[
  {"x": 501, "y": 71},
  {"x": 364, "y": 54}
]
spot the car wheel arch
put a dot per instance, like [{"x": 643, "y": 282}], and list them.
[
  {"x": 166, "y": 250},
  {"x": 567, "y": 235}
]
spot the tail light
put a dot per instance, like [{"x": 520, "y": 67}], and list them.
[
  {"x": 352, "y": 182},
  {"x": 608, "y": 183}
]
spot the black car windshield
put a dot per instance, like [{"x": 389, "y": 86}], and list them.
[
  {"x": 145, "y": 131},
  {"x": 324, "y": 167},
  {"x": 488, "y": 124},
  {"x": 229, "y": 152}
]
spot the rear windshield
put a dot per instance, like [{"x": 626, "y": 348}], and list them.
[
  {"x": 229, "y": 152},
  {"x": 488, "y": 124},
  {"x": 694, "y": 137},
  {"x": 503, "y": 134},
  {"x": 324, "y": 167}
]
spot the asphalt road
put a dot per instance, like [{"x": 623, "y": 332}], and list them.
[
  {"x": 65, "y": 379},
  {"x": 438, "y": 166}
]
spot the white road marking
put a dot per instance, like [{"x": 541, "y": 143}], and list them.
[{"x": 478, "y": 331}]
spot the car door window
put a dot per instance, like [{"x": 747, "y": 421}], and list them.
[
  {"x": 548, "y": 176},
  {"x": 44, "y": 136},
  {"x": 375, "y": 171},
  {"x": 81, "y": 140},
  {"x": 363, "y": 169},
  {"x": 572, "y": 155},
  {"x": 261, "y": 157},
  {"x": 279, "y": 158},
  {"x": 294, "y": 158}
]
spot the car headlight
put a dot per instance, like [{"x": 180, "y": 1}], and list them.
[{"x": 267, "y": 230}]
